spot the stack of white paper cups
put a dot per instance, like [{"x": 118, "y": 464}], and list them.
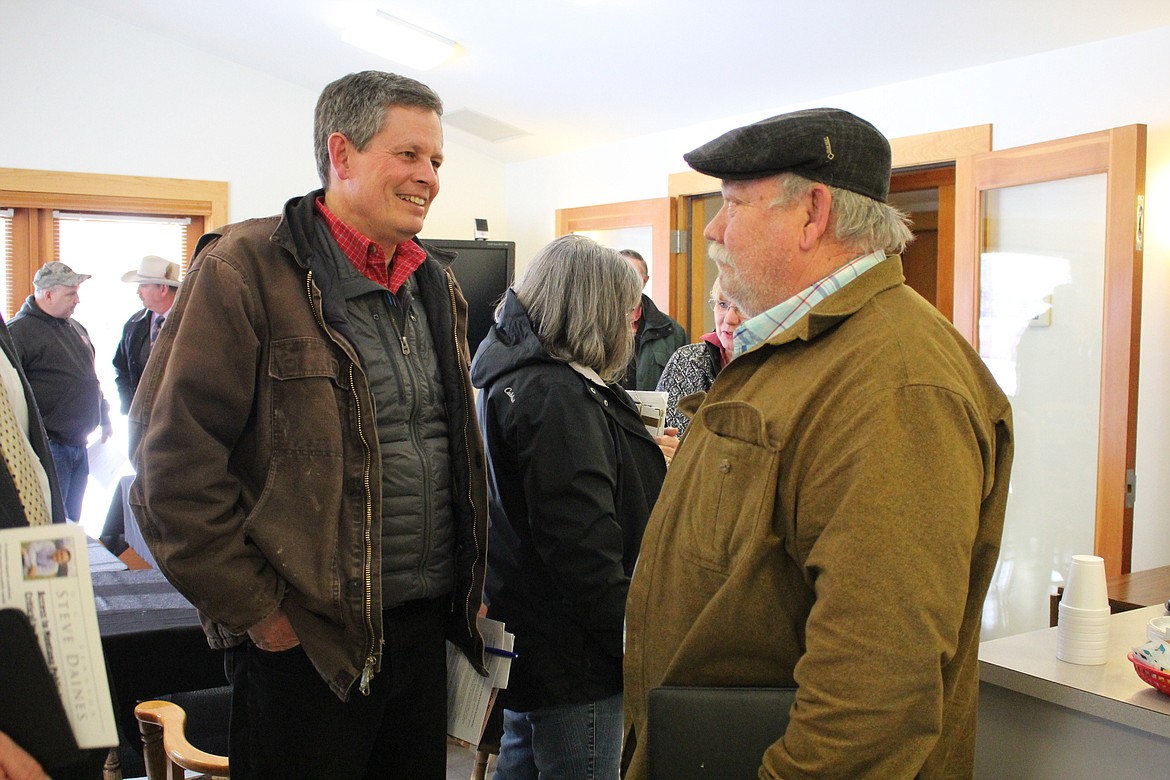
[{"x": 1082, "y": 627}]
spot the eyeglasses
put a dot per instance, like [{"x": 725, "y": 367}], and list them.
[{"x": 723, "y": 306}]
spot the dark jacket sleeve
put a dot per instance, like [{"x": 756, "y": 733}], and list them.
[{"x": 122, "y": 376}]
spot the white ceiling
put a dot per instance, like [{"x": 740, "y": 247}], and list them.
[{"x": 575, "y": 73}]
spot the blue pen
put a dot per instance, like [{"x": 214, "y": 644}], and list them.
[{"x": 500, "y": 652}]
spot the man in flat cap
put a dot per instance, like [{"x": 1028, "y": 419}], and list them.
[
  {"x": 57, "y": 357},
  {"x": 158, "y": 281},
  {"x": 833, "y": 516}
]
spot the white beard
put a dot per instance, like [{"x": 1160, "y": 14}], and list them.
[{"x": 730, "y": 283}]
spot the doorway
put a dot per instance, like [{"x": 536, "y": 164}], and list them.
[
  {"x": 105, "y": 247},
  {"x": 927, "y": 196}
]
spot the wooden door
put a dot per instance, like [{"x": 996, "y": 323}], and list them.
[{"x": 1048, "y": 264}]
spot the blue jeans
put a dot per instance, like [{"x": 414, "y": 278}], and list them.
[
  {"x": 72, "y": 462},
  {"x": 573, "y": 742}
]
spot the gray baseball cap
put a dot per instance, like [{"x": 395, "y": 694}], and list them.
[{"x": 56, "y": 273}]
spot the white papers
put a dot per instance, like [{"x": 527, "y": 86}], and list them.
[
  {"x": 107, "y": 460},
  {"x": 470, "y": 696},
  {"x": 651, "y": 408},
  {"x": 44, "y": 572}
]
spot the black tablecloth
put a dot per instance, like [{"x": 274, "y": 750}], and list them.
[{"x": 140, "y": 602}]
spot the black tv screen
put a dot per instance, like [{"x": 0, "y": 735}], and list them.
[{"x": 484, "y": 270}]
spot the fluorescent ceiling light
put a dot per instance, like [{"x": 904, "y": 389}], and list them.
[{"x": 403, "y": 42}]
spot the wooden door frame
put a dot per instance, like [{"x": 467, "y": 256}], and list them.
[
  {"x": 1120, "y": 154},
  {"x": 655, "y": 213},
  {"x": 205, "y": 202}
]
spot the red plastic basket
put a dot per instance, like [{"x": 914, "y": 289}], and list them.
[{"x": 1160, "y": 680}]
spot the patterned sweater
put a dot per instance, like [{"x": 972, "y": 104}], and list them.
[{"x": 691, "y": 369}]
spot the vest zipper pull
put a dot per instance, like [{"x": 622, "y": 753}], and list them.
[{"x": 405, "y": 346}]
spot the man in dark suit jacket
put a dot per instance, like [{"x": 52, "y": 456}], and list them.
[{"x": 158, "y": 281}]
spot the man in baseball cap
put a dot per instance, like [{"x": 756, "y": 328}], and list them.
[
  {"x": 158, "y": 282},
  {"x": 58, "y": 359},
  {"x": 57, "y": 274},
  {"x": 834, "y": 517}
]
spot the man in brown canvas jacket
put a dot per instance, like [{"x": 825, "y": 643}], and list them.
[{"x": 310, "y": 472}]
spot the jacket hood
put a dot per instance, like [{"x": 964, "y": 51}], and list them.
[
  {"x": 510, "y": 344},
  {"x": 30, "y": 309}
]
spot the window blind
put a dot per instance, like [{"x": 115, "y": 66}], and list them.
[{"x": 6, "y": 254}]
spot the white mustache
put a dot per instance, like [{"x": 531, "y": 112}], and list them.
[{"x": 718, "y": 253}]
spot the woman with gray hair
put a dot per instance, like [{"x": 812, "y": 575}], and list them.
[{"x": 573, "y": 477}]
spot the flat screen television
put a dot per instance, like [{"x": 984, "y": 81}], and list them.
[{"x": 484, "y": 270}]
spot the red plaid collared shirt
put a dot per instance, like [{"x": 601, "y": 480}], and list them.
[{"x": 370, "y": 258}]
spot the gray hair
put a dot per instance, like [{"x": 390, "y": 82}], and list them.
[
  {"x": 863, "y": 223},
  {"x": 355, "y": 106},
  {"x": 579, "y": 296},
  {"x": 636, "y": 256}
]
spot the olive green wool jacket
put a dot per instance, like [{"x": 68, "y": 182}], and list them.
[{"x": 832, "y": 521}]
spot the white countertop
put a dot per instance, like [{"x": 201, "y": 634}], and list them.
[{"x": 1027, "y": 663}]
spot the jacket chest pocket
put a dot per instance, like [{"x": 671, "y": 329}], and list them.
[
  {"x": 307, "y": 393},
  {"x": 733, "y": 496}
]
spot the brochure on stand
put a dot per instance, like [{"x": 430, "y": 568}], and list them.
[
  {"x": 651, "y": 408},
  {"x": 470, "y": 696},
  {"x": 44, "y": 573}
]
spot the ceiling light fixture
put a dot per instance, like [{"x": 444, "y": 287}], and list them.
[{"x": 400, "y": 41}]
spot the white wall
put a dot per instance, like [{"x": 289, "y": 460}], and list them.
[
  {"x": 1076, "y": 90},
  {"x": 83, "y": 92}
]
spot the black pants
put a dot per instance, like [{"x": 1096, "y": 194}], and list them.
[{"x": 286, "y": 722}]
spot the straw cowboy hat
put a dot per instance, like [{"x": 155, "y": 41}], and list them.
[{"x": 154, "y": 270}]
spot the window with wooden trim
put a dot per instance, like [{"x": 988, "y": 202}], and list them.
[
  {"x": 100, "y": 225},
  {"x": 38, "y": 200}
]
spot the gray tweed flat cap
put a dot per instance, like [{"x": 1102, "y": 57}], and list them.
[{"x": 827, "y": 145}]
